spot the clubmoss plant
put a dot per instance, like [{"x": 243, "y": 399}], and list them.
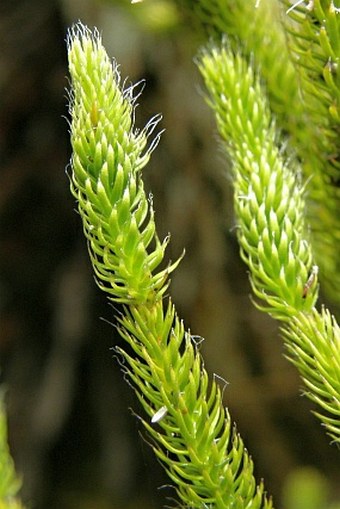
[
  {"x": 264, "y": 174},
  {"x": 295, "y": 46},
  {"x": 269, "y": 207},
  {"x": 268, "y": 198},
  {"x": 191, "y": 430},
  {"x": 271, "y": 72}
]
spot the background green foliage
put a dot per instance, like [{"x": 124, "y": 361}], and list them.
[{"x": 9, "y": 483}]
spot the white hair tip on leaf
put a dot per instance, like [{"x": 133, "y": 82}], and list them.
[{"x": 309, "y": 7}]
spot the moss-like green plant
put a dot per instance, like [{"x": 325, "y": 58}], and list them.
[
  {"x": 269, "y": 203},
  {"x": 9, "y": 482},
  {"x": 295, "y": 45},
  {"x": 191, "y": 429},
  {"x": 271, "y": 68},
  {"x": 270, "y": 211}
]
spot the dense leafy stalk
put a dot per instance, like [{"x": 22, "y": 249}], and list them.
[
  {"x": 269, "y": 203},
  {"x": 313, "y": 345},
  {"x": 191, "y": 430},
  {"x": 269, "y": 209},
  {"x": 108, "y": 155}
]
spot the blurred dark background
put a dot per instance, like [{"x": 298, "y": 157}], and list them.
[{"x": 74, "y": 438}]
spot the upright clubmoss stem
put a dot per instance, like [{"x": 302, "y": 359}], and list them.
[
  {"x": 270, "y": 213},
  {"x": 269, "y": 203},
  {"x": 191, "y": 429}
]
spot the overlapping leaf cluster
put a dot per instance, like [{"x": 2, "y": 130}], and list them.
[
  {"x": 269, "y": 203},
  {"x": 108, "y": 155},
  {"x": 270, "y": 214},
  {"x": 313, "y": 344},
  {"x": 191, "y": 430}
]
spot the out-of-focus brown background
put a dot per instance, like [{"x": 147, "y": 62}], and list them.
[{"x": 74, "y": 438}]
